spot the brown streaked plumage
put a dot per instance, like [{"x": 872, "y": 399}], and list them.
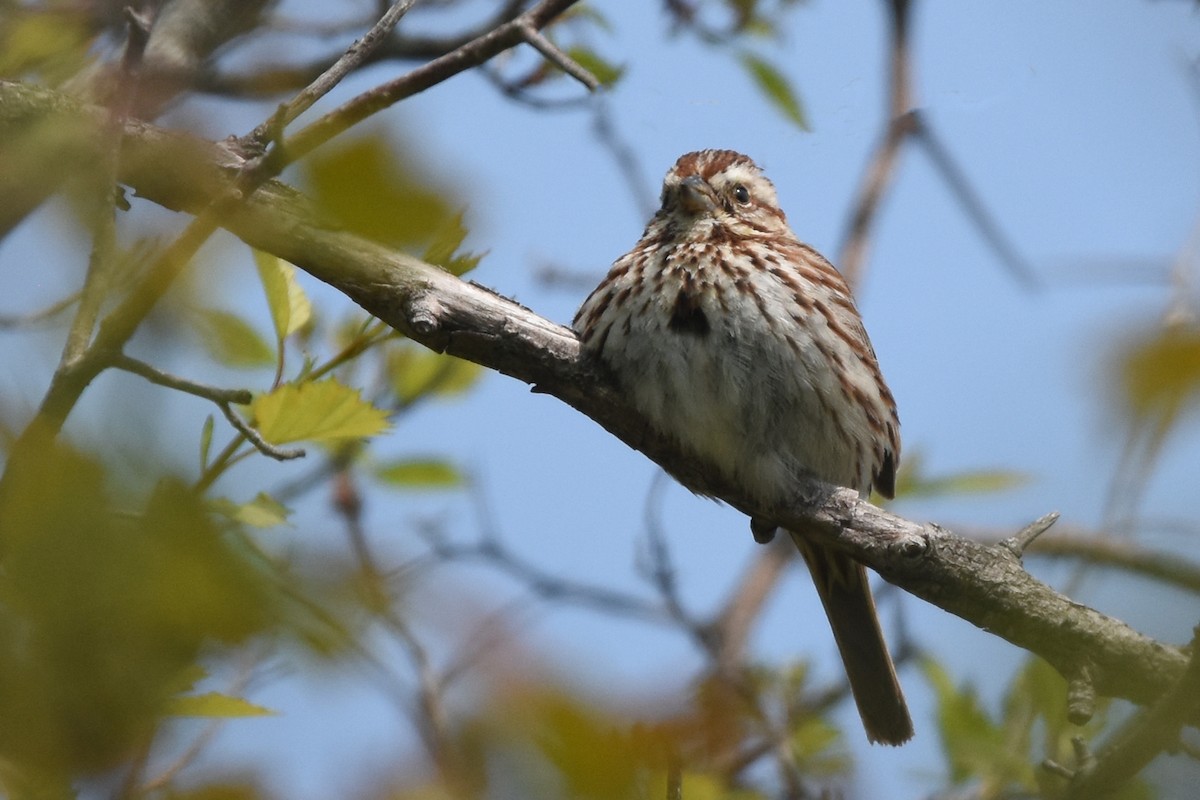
[{"x": 744, "y": 344}]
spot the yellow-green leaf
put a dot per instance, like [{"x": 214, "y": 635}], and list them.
[
  {"x": 232, "y": 341},
  {"x": 417, "y": 372},
  {"x": 1160, "y": 373},
  {"x": 216, "y": 705},
  {"x": 775, "y": 85},
  {"x": 322, "y": 411},
  {"x": 290, "y": 307},
  {"x": 263, "y": 511},
  {"x": 416, "y": 473}
]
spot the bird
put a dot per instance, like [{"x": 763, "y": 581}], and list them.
[{"x": 743, "y": 345}]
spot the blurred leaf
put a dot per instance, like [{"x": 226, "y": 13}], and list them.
[
  {"x": 975, "y": 747},
  {"x": 594, "y": 759},
  {"x": 322, "y": 411},
  {"x": 417, "y": 372},
  {"x": 817, "y": 747},
  {"x": 446, "y": 241},
  {"x": 214, "y": 704},
  {"x": 419, "y": 474},
  {"x": 911, "y": 482},
  {"x": 110, "y": 609},
  {"x": 290, "y": 307},
  {"x": 1160, "y": 374},
  {"x": 53, "y": 43},
  {"x": 232, "y": 341},
  {"x": 206, "y": 433},
  {"x": 375, "y": 191},
  {"x": 604, "y": 71},
  {"x": 263, "y": 511},
  {"x": 775, "y": 85}
]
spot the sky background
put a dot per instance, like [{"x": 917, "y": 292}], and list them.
[{"x": 1077, "y": 124}]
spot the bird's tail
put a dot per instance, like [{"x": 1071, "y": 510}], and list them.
[{"x": 842, "y": 584}]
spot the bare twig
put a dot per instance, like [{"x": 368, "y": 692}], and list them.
[
  {"x": 973, "y": 206},
  {"x": 471, "y": 54},
  {"x": 157, "y": 376},
  {"x": 554, "y": 54},
  {"x": 1027, "y": 535},
  {"x": 255, "y": 438},
  {"x": 13, "y": 321},
  {"x": 352, "y": 59}
]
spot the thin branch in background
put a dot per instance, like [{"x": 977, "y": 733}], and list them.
[
  {"x": 658, "y": 569},
  {"x": 973, "y": 206},
  {"x": 1122, "y": 554},
  {"x": 623, "y": 156},
  {"x": 519, "y": 91},
  {"x": 102, "y": 257},
  {"x": 157, "y": 376},
  {"x": 906, "y": 122},
  {"x": 881, "y": 169},
  {"x": 33, "y": 318}
]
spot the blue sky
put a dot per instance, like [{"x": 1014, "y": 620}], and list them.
[{"x": 1077, "y": 123}]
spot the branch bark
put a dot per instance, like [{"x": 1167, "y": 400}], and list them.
[{"x": 984, "y": 584}]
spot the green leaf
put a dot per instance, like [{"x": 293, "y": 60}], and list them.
[
  {"x": 975, "y": 746},
  {"x": 377, "y": 188},
  {"x": 215, "y": 705},
  {"x": 775, "y": 85},
  {"x": 420, "y": 474},
  {"x": 263, "y": 511},
  {"x": 417, "y": 372},
  {"x": 206, "y": 434},
  {"x": 290, "y": 307},
  {"x": 323, "y": 411},
  {"x": 912, "y": 483},
  {"x": 604, "y": 71},
  {"x": 442, "y": 251},
  {"x": 232, "y": 341}
]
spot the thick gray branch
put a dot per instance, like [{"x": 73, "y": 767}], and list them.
[{"x": 984, "y": 584}]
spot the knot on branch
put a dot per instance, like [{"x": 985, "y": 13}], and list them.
[
  {"x": 424, "y": 313},
  {"x": 912, "y": 547}
]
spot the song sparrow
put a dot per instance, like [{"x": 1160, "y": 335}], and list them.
[{"x": 743, "y": 344}]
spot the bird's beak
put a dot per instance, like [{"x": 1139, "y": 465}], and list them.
[{"x": 696, "y": 196}]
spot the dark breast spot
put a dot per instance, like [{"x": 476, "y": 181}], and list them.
[{"x": 688, "y": 317}]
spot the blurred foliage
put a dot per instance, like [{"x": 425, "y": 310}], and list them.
[
  {"x": 50, "y": 44},
  {"x": 1000, "y": 757},
  {"x": 914, "y": 481},
  {"x": 105, "y": 605},
  {"x": 1159, "y": 373},
  {"x": 776, "y": 87},
  {"x": 374, "y": 189}
]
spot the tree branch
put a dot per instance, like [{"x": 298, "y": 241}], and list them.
[{"x": 984, "y": 584}]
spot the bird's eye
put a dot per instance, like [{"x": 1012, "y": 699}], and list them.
[{"x": 741, "y": 194}]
